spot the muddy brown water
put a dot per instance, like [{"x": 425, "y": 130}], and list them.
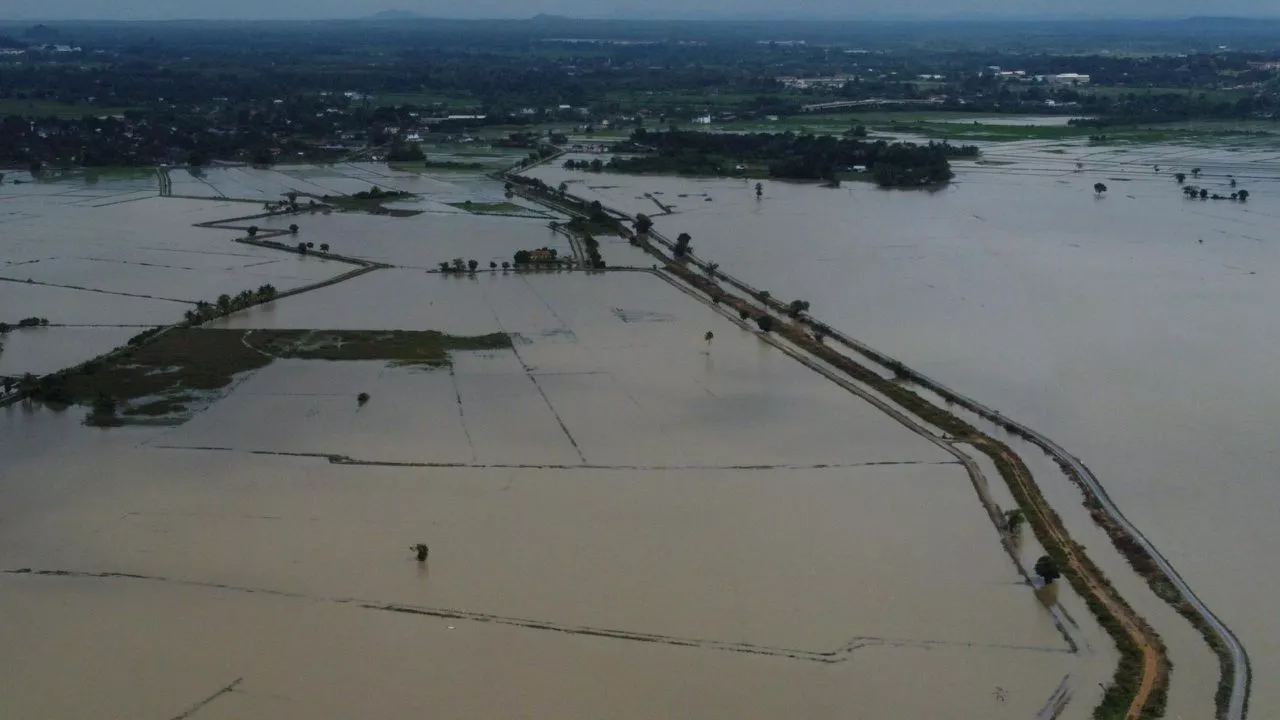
[
  {"x": 716, "y": 530},
  {"x": 1135, "y": 329}
]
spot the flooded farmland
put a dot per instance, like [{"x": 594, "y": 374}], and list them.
[
  {"x": 1133, "y": 328},
  {"x": 625, "y": 518}
]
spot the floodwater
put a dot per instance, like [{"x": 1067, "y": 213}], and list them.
[
  {"x": 1136, "y": 329},
  {"x": 625, "y": 519},
  {"x": 628, "y": 523}
]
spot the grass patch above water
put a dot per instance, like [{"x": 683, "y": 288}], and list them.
[
  {"x": 495, "y": 208},
  {"x": 184, "y": 362}
]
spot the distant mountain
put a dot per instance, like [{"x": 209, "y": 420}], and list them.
[{"x": 396, "y": 15}]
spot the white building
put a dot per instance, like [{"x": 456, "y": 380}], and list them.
[{"x": 1066, "y": 79}]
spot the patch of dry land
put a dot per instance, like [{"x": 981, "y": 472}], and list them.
[{"x": 625, "y": 521}]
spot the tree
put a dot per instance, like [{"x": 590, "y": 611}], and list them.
[
  {"x": 324, "y": 247},
  {"x": 712, "y": 268},
  {"x": 1233, "y": 182},
  {"x": 1203, "y": 193},
  {"x": 1013, "y": 520},
  {"x": 796, "y": 307},
  {"x": 267, "y": 292},
  {"x": 1099, "y": 188},
  {"x": 682, "y": 244},
  {"x": 506, "y": 265},
  {"x": 765, "y": 323},
  {"x": 104, "y": 406},
  {"x": 362, "y": 398},
  {"x": 224, "y": 303},
  {"x": 1180, "y": 177},
  {"x": 493, "y": 265},
  {"x": 253, "y": 230},
  {"x": 759, "y": 189},
  {"x": 1195, "y": 172},
  {"x": 563, "y": 188},
  {"x": 293, "y": 197},
  {"x": 459, "y": 264},
  {"x": 1047, "y": 569},
  {"x": 709, "y": 337},
  {"x": 302, "y": 248},
  {"x": 1244, "y": 195},
  {"x": 642, "y": 224},
  {"x": 472, "y": 265},
  {"x": 293, "y": 229}
]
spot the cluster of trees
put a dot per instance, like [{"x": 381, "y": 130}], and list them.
[
  {"x": 459, "y": 266},
  {"x": 596, "y": 165},
  {"x": 227, "y": 304},
  {"x": 377, "y": 193},
  {"x": 791, "y": 156},
  {"x": 1191, "y": 191},
  {"x": 405, "y": 152},
  {"x": 24, "y": 323}
]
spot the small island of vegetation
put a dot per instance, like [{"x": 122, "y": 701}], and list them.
[{"x": 789, "y": 156}]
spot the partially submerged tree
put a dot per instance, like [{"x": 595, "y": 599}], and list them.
[
  {"x": 642, "y": 224},
  {"x": 765, "y": 323},
  {"x": 1180, "y": 177},
  {"x": 682, "y": 244},
  {"x": 253, "y": 230},
  {"x": 1047, "y": 569},
  {"x": 362, "y": 398},
  {"x": 293, "y": 229},
  {"x": 1013, "y": 520},
  {"x": 1099, "y": 188}
]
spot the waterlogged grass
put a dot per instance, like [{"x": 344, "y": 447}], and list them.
[
  {"x": 494, "y": 208},
  {"x": 160, "y": 378}
]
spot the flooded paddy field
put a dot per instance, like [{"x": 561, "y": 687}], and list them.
[
  {"x": 1132, "y": 328},
  {"x": 623, "y": 521}
]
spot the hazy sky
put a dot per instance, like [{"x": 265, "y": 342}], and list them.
[{"x": 229, "y": 9}]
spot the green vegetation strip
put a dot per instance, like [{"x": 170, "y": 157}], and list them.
[
  {"x": 496, "y": 208},
  {"x": 186, "y": 359}
]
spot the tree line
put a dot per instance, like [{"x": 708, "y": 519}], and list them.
[{"x": 789, "y": 156}]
